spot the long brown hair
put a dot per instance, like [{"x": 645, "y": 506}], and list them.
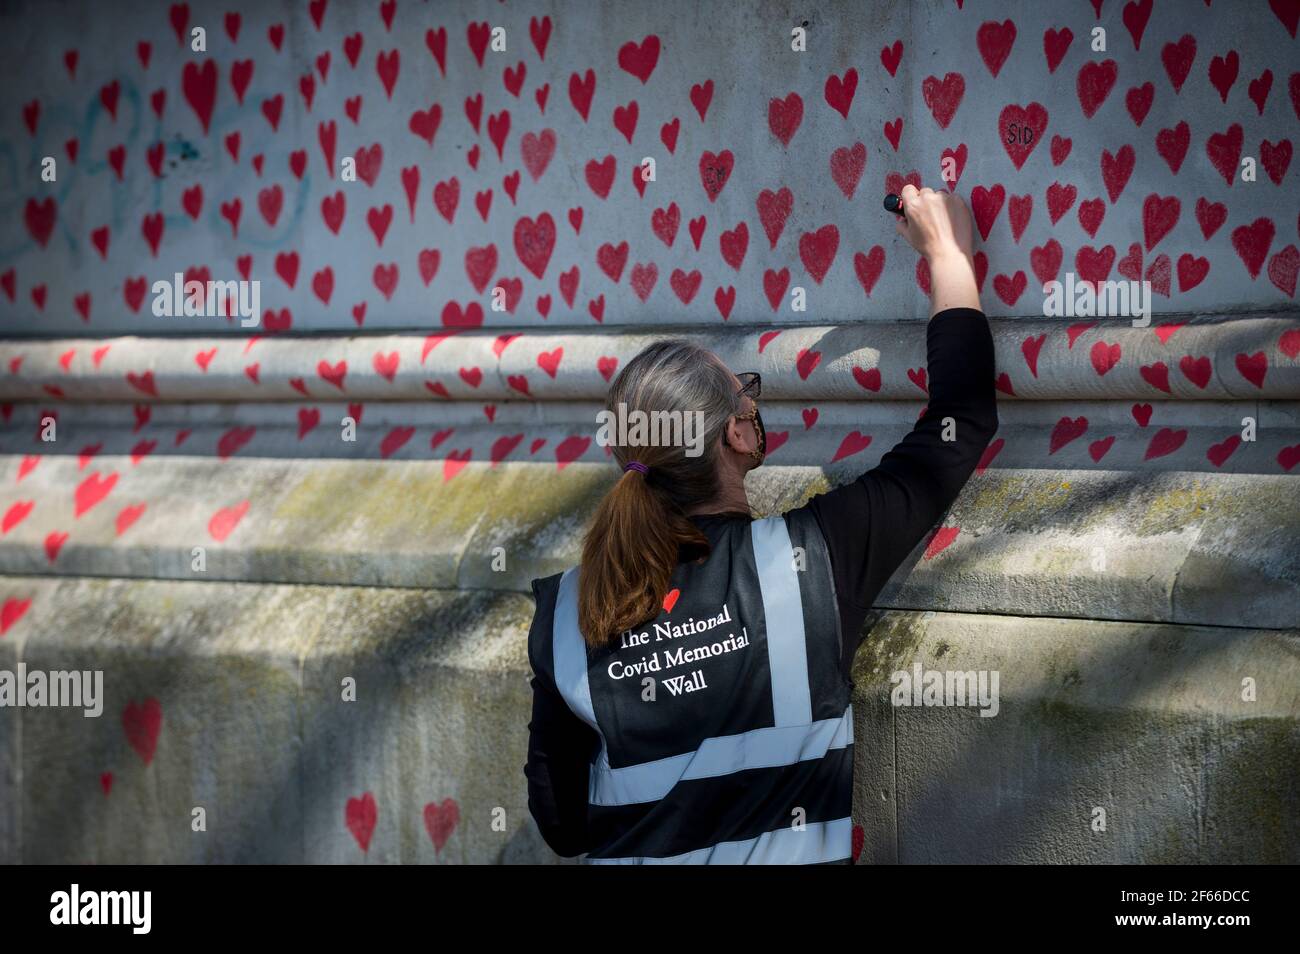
[{"x": 641, "y": 525}]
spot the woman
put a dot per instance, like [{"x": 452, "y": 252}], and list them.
[{"x": 691, "y": 690}]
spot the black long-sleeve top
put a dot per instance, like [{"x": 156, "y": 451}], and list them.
[{"x": 870, "y": 525}]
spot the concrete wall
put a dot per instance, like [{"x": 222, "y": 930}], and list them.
[{"x": 1122, "y": 557}]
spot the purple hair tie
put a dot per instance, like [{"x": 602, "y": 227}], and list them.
[{"x": 637, "y": 466}]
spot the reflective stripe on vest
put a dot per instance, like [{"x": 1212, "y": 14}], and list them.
[
  {"x": 793, "y": 739},
  {"x": 569, "y": 657},
  {"x": 721, "y": 755},
  {"x": 787, "y": 647},
  {"x": 815, "y": 843}
]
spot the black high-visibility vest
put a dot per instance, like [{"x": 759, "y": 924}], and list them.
[{"x": 725, "y": 723}]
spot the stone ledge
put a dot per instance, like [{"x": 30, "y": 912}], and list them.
[
  {"x": 1181, "y": 545},
  {"x": 1249, "y": 357}
]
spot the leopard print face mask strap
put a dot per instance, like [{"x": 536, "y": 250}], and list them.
[{"x": 759, "y": 454}]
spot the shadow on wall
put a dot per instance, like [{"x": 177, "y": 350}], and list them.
[
  {"x": 1078, "y": 731},
  {"x": 264, "y": 744}
]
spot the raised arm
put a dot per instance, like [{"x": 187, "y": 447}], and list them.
[{"x": 873, "y": 523}]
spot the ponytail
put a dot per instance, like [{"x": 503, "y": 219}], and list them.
[
  {"x": 628, "y": 558},
  {"x": 641, "y": 529}
]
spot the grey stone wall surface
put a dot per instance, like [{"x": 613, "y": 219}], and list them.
[{"x": 181, "y": 509}]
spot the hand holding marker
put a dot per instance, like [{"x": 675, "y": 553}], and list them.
[{"x": 938, "y": 226}]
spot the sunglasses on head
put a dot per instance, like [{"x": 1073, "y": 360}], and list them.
[{"x": 750, "y": 384}]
